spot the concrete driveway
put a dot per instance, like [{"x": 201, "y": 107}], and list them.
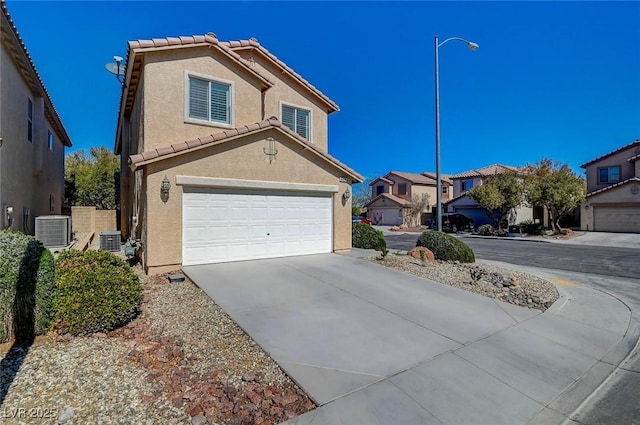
[{"x": 377, "y": 346}]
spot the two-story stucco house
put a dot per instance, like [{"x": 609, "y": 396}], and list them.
[
  {"x": 463, "y": 204},
  {"x": 225, "y": 157},
  {"x": 392, "y": 196},
  {"x": 613, "y": 191},
  {"x": 32, "y": 137}
]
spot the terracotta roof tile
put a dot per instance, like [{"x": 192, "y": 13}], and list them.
[
  {"x": 224, "y": 135},
  {"x": 627, "y": 146},
  {"x": 392, "y": 198},
  {"x": 489, "y": 170},
  {"x": 412, "y": 177},
  {"x": 30, "y": 64},
  {"x": 633, "y": 158},
  {"x": 604, "y": 189},
  {"x": 173, "y": 41}
]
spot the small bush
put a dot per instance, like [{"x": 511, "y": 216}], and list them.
[
  {"x": 366, "y": 237},
  {"x": 446, "y": 247},
  {"x": 532, "y": 228},
  {"x": 485, "y": 230},
  {"x": 96, "y": 292},
  {"x": 26, "y": 287}
]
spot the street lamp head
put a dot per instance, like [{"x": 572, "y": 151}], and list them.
[{"x": 473, "y": 46}]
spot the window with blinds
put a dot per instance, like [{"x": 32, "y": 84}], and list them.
[
  {"x": 296, "y": 119},
  {"x": 209, "y": 101}
]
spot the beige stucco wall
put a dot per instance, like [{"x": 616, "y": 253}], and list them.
[
  {"x": 623, "y": 195},
  {"x": 166, "y": 84},
  {"x": 627, "y": 169},
  {"x": 240, "y": 159},
  {"x": 457, "y": 184},
  {"x": 288, "y": 91},
  {"x": 387, "y": 188},
  {"x": 29, "y": 171}
]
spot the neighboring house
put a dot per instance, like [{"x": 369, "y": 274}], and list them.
[
  {"x": 32, "y": 137},
  {"x": 224, "y": 156},
  {"x": 613, "y": 191},
  {"x": 392, "y": 196},
  {"x": 463, "y": 204}
]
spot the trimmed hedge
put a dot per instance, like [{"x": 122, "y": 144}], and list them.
[
  {"x": 96, "y": 292},
  {"x": 26, "y": 287},
  {"x": 366, "y": 237},
  {"x": 446, "y": 247}
]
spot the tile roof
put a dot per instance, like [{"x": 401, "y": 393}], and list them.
[
  {"x": 139, "y": 160},
  {"x": 382, "y": 179},
  {"x": 28, "y": 63},
  {"x": 630, "y": 145},
  {"x": 393, "y": 198},
  {"x": 604, "y": 189},
  {"x": 489, "y": 170},
  {"x": 633, "y": 158},
  {"x": 461, "y": 195},
  {"x": 254, "y": 44},
  {"x": 412, "y": 177},
  {"x": 443, "y": 177}
]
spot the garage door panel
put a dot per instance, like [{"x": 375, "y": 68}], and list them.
[
  {"x": 616, "y": 219},
  {"x": 235, "y": 226}
]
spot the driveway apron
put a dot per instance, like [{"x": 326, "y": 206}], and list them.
[{"x": 374, "y": 345}]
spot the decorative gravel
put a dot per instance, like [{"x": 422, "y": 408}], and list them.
[{"x": 507, "y": 285}]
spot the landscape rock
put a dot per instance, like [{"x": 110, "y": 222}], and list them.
[
  {"x": 66, "y": 415},
  {"x": 421, "y": 253}
]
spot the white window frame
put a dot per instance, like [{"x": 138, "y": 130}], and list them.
[
  {"x": 188, "y": 119},
  {"x": 50, "y": 140},
  {"x": 30, "y": 129},
  {"x": 304, "y": 108}
]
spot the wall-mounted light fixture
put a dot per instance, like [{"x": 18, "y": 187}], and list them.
[
  {"x": 346, "y": 195},
  {"x": 164, "y": 189}
]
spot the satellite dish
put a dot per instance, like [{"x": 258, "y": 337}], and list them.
[{"x": 115, "y": 68}]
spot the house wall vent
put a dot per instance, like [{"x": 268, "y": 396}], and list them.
[
  {"x": 53, "y": 230},
  {"x": 110, "y": 241}
]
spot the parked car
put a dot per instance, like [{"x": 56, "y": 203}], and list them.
[
  {"x": 359, "y": 219},
  {"x": 452, "y": 222}
]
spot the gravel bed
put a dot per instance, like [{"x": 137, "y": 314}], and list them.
[{"x": 506, "y": 285}]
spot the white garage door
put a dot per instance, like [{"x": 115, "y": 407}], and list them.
[
  {"x": 226, "y": 226},
  {"x": 616, "y": 219}
]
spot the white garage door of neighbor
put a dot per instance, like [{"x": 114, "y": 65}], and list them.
[
  {"x": 233, "y": 226},
  {"x": 616, "y": 219}
]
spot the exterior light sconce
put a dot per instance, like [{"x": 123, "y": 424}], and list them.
[
  {"x": 164, "y": 189},
  {"x": 346, "y": 195}
]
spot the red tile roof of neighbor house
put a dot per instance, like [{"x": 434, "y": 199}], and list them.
[
  {"x": 632, "y": 179},
  {"x": 412, "y": 177},
  {"x": 254, "y": 44},
  {"x": 485, "y": 171},
  {"x": 382, "y": 179},
  {"x": 139, "y": 160},
  {"x": 630, "y": 145},
  {"x": 28, "y": 67},
  {"x": 633, "y": 158},
  {"x": 443, "y": 177},
  {"x": 393, "y": 198}
]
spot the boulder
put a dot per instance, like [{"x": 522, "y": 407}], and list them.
[{"x": 418, "y": 251}]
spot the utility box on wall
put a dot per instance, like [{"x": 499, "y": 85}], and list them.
[{"x": 110, "y": 241}]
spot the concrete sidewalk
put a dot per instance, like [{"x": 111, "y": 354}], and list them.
[{"x": 373, "y": 345}]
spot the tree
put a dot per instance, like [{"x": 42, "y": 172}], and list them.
[
  {"x": 361, "y": 193},
  {"x": 556, "y": 187},
  {"x": 91, "y": 181},
  {"x": 500, "y": 195},
  {"x": 418, "y": 204}
]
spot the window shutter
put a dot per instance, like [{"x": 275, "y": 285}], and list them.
[
  {"x": 302, "y": 123},
  {"x": 288, "y": 117},
  {"x": 198, "y": 97},
  {"x": 219, "y": 102}
]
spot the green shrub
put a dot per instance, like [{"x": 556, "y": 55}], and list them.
[
  {"x": 96, "y": 292},
  {"x": 26, "y": 287},
  {"x": 485, "y": 230},
  {"x": 446, "y": 247},
  {"x": 365, "y": 236},
  {"x": 528, "y": 226}
]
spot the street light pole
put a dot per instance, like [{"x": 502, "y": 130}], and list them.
[{"x": 473, "y": 46}]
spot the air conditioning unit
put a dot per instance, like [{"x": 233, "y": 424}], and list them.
[
  {"x": 53, "y": 230},
  {"x": 110, "y": 241}
]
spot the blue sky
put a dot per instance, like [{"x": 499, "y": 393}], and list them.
[{"x": 551, "y": 79}]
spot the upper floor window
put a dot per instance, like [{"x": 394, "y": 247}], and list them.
[
  {"x": 50, "y": 140},
  {"x": 379, "y": 189},
  {"x": 297, "y": 120},
  {"x": 209, "y": 100},
  {"x": 445, "y": 189},
  {"x": 466, "y": 184},
  {"x": 30, "y": 120},
  {"x": 608, "y": 175},
  {"x": 402, "y": 189}
]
